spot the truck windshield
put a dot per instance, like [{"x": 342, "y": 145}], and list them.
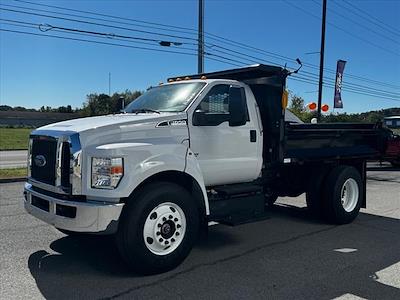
[{"x": 166, "y": 98}]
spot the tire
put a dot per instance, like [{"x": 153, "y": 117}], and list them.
[
  {"x": 343, "y": 194},
  {"x": 271, "y": 199},
  {"x": 158, "y": 228}
]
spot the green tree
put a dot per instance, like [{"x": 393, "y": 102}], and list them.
[
  {"x": 102, "y": 104},
  {"x": 298, "y": 108}
]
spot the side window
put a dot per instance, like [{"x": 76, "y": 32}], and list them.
[
  {"x": 216, "y": 101},
  {"x": 215, "y": 107}
]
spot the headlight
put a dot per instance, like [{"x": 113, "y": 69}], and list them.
[{"x": 106, "y": 172}]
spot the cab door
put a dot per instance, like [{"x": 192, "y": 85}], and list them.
[{"x": 228, "y": 151}]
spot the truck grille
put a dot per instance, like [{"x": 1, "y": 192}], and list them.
[
  {"x": 44, "y": 151},
  {"x": 55, "y": 162}
]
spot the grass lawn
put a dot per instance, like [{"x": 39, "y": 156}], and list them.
[
  {"x": 14, "y": 138},
  {"x": 12, "y": 173}
]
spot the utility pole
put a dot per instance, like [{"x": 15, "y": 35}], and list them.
[
  {"x": 109, "y": 84},
  {"x": 200, "y": 42},
  {"x": 321, "y": 61}
]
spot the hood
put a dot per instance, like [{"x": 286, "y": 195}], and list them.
[
  {"x": 85, "y": 124},
  {"x": 130, "y": 127}
]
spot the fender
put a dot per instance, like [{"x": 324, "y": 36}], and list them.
[
  {"x": 142, "y": 161},
  {"x": 193, "y": 169}
]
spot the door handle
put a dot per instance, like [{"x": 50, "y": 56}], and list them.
[{"x": 253, "y": 136}]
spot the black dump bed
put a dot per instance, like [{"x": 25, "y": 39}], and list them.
[
  {"x": 334, "y": 140},
  {"x": 302, "y": 142}
]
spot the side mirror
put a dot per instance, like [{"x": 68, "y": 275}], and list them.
[
  {"x": 199, "y": 118},
  {"x": 237, "y": 107}
]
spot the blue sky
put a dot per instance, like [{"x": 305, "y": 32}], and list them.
[{"x": 36, "y": 71}]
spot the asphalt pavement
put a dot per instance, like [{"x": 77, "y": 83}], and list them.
[
  {"x": 13, "y": 159},
  {"x": 288, "y": 256}
]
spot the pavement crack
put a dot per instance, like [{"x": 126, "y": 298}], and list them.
[{"x": 222, "y": 260}]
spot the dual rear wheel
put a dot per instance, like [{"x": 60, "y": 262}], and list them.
[{"x": 339, "y": 197}]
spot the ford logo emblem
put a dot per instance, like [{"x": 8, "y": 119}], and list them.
[{"x": 40, "y": 160}]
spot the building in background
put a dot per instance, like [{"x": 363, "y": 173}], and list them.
[{"x": 33, "y": 119}]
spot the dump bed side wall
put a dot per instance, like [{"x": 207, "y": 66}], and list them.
[{"x": 325, "y": 141}]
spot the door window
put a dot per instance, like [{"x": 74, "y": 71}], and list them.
[
  {"x": 215, "y": 105},
  {"x": 216, "y": 101}
]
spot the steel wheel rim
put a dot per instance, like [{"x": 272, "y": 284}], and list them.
[
  {"x": 164, "y": 228},
  {"x": 349, "y": 195}
]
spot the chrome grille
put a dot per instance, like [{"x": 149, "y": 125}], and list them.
[
  {"x": 62, "y": 171},
  {"x": 43, "y": 159}
]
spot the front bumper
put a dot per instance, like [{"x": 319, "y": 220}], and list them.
[{"x": 91, "y": 217}]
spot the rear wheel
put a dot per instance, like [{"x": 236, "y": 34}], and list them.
[
  {"x": 158, "y": 228},
  {"x": 343, "y": 194},
  {"x": 270, "y": 199}
]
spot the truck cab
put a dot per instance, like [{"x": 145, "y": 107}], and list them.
[{"x": 201, "y": 148}]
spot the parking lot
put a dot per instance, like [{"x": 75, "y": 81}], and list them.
[{"x": 288, "y": 256}]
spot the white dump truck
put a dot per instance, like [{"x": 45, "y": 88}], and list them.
[{"x": 203, "y": 148}]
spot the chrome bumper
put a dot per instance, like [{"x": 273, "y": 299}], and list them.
[{"x": 91, "y": 217}]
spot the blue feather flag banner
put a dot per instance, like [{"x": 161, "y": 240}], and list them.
[{"x": 338, "y": 103}]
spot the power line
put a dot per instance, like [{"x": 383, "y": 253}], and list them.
[
  {"x": 98, "y": 24},
  {"x": 115, "y": 37},
  {"x": 347, "y": 89},
  {"x": 299, "y": 79},
  {"x": 97, "y": 42},
  {"x": 371, "y": 17},
  {"x": 342, "y": 29},
  {"x": 359, "y": 24},
  {"x": 213, "y": 57},
  {"x": 210, "y": 36},
  {"x": 97, "y": 19},
  {"x": 106, "y": 15}
]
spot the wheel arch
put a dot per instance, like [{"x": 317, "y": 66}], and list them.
[{"x": 182, "y": 179}]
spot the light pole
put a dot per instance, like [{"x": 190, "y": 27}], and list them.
[
  {"x": 321, "y": 61},
  {"x": 200, "y": 42}
]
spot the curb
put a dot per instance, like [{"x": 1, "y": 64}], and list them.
[{"x": 9, "y": 180}]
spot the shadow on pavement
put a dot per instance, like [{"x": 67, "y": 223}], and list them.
[{"x": 89, "y": 266}]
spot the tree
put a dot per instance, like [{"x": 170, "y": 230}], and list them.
[
  {"x": 298, "y": 108},
  {"x": 102, "y": 104}
]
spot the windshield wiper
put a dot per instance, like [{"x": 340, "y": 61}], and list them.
[{"x": 144, "y": 110}]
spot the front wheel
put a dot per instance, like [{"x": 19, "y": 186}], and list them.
[
  {"x": 343, "y": 194},
  {"x": 158, "y": 228}
]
